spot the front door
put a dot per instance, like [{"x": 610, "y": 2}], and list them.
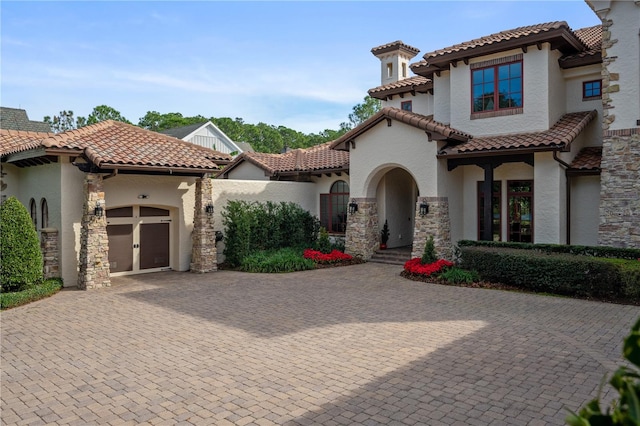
[{"x": 139, "y": 239}]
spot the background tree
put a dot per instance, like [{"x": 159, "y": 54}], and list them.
[
  {"x": 64, "y": 121},
  {"x": 362, "y": 112},
  {"x": 157, "y": 122},
  {"x": 103, "y": 113}
]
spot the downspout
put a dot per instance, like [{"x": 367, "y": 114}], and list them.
[
  {"x": 568, "y": 195},
  {"x": 114, "y": 173}
]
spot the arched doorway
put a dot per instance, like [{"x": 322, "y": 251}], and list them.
[{"x": 396, "y": 195}]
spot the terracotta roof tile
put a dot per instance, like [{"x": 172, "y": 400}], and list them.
[
  {"x": 422, "y": 122},
  {"x": 416, "y": 83},
  {"x": 588, "y": 159},
  {"x": 393, "y": 46},
  {"x": 12, "y": 141},
  {"x": 560, "y": 135},
  {"x": 317, "y": 158},
  {"x": 590, "y": 36}
]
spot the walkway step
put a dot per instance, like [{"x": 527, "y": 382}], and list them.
[{"x": 391, "y": 256}]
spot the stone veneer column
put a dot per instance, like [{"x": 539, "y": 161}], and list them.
[
  {"x": 620, "y": 176},
  {"x": 49, "y": 249},
  {"x": 204, "y": 256},
  {"x": 436, "y": 223},
  {"x": 363, "y": 236},
  {"x": 94, "y": 242}
]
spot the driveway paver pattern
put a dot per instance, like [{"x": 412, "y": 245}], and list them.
[{"x": 342, "y": 346}]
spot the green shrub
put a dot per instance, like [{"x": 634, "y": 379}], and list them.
[
  {"x": 557, "y": 273},
  {"x": 20, "y": 256},
  {"x": 429, "y": 254},
  {"x": 253, "y": 226},
  {"x": 629, "y": 277},
  {"x": 457, "y": 275},
  {"x": 323, "y": 243},
  {"x": 31, "y": 294},
  {"x": 271, "y": 261}
]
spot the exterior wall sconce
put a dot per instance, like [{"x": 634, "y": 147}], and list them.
[
  {"x": 99, "y": 210},
  {"x": 424, "y": 209},
  {"x": 209, "y": 209},
  {"x": 353, "y": 207}
]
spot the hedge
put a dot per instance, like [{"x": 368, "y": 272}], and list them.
[
  {"x": 37, "y": 292},
  {"x": 558, "y": 273}
]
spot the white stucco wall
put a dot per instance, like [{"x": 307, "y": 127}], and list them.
[
  {"x": 9, "y": 181},
  {"x": 247, "y": 171},
  {"x": 323, "y": 184},
  {"x": 585, "y": 200},
  {"x": 549, "y": 200},
  {"x": 573, "y": 79},
  {"x": 421, "y": 103},
  {"x": 442, "y": 97}
]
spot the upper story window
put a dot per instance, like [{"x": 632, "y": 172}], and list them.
[
  {"x": 591, "y": 90},
  {"x": 406, "y": 106},
  {"x": 389, "y": 70},
  {"x": 497, "y": 87},
  {"x": 404, "y": 70}
]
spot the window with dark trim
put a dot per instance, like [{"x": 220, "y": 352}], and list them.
[
  {"x": 33, "y": 211},
  {"x": 591, "y": 90},
  {"x": 44, "y": 213},
  {"x": 333, "y": 208},
  {"x": 497, "y": 87},
  {"x": 496, "y": 209},
  {"x": 406, "y": 106},
  {"x": 520, "y": 210}
]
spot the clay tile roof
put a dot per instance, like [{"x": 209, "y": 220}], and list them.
[
  {"x": 393, "y": 46},
  {"x": 559, "y": 136},
  {"x": 416, "y": 83},
  {"x": 588, "y": 159},
  {"x": 314, "y": 159},
  {"x": 12, "y": 141},
  {"x": 423, "y": 122},
  {"x": 592, "y": 38}
]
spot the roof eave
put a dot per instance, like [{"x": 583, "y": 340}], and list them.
[{"x": 500, "y": 152}]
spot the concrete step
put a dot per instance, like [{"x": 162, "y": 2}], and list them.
[{"x": 391, "y": 256}]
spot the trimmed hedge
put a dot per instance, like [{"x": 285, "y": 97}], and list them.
[
  {"x": 274, "y": 261},
  {"x": 20, "y": 256},
  {"x": 47, "y": 288},
  {"x": 595, "y": 251},
  {"x": 559, "y": 273}
]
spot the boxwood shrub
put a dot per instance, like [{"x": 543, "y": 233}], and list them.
[
  {"x": 273, "y": 261},
  {"x": 31, "y": 294}
]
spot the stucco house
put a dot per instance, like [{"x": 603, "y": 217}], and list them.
[{"x": 210, "y": 136}]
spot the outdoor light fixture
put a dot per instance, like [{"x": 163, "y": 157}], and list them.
[
  {"x": 209, "y": 208},
  {"x": 353, "y": 207},
  {"x": 99, "y": 210},
  {"x": 424, "y": 209}
]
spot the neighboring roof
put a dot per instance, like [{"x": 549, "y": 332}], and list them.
[
  {"x": 245, "y": 146},
  {"x": 184, "y": 131},
  {"x": 320, "y": 158},
  {"x": 397, "y": 45},
  {"x": 437, "y": 130},
  {"x": 17, "y": 119},
  {"x": 588, "y": 159},
  {"x": 114, "y": 145},
  {"x": 559, "y": 34},
  {"x": 557, "y": 137},
  {"x": 411, "y": 85}
]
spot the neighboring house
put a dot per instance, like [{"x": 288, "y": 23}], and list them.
[
  {"x": 210, "y": 136},
  {"x": 113, "y": 198},
  {"x": 17, "y": 119}
]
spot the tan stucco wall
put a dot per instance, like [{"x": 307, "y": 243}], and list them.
[
  {"x": 9, "y": 181},
  {"x": 247, "y": 171},
  {"x": 72, "y": 201},
  {"x": 585, "y": 199}
]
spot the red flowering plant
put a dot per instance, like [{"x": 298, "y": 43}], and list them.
[
  {"x": 415, "y": 266},
  {"x": 332, "y": 257}
]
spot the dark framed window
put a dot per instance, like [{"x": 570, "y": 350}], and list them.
[
  {"x": 33, "y": 211},
  {"x": 406, "y": 106},
  {"x": 333, "y": 208},
  {"x": 496, "y": 209},
  {"x": 44, "y": 213},
  {"x": 591, "y": 90},
  {"x": 497, "y": 87},
  {"x": 520, "y": 210}
]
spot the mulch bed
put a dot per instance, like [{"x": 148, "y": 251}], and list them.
[{"x": 354, "y": 261}]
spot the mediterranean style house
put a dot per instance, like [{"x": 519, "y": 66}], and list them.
[{"x": 530, "y": 135}]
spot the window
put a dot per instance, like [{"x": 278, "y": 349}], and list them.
[
  {"x": 34, "y": 212},
  {"x": 404, "y": 70},
  {"x": 333, "y": 208},
  {"x": 389, "y": 70},
  {"x": 496, "y": 208},
  {"x": 591, "y": 90},
  {"x": 497, "y": 87},
  {"x": 520, "y": 196},
  {"x": 44, "y": 213},
  {"x": 406, "y": 106}
]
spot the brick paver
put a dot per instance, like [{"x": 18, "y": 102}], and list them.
[{"x": 352, "y": 345}]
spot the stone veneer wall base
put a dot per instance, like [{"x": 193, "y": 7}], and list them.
[
  {"x": 436, "y": 223},
  {"x": 94, "y": 242},
  {"x": 362, "y": 236},
  {"x": 49, "y": 249},
  {"x": 204, "y": 256}
]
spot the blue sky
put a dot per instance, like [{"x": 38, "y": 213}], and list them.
[{"x": 299, "y": 64}]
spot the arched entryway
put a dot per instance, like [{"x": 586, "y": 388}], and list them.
[{"x": 396, "y": 196}]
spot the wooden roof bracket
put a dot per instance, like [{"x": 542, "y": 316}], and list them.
[
  {"x": 524, "y": 49},
  {"x": 352, "y": 142},
  {"x": 388, "y": 122}
]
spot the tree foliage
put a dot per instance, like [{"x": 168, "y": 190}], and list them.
[
  {"x": 361, "y": 112},
  {"x": 104, "y": 113},
  {"x": 20, "y": 256},
  {"x": 64, "y": 121}
]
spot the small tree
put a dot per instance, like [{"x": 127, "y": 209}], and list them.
[
  {"x": 20, "y": 256},
  {"x": 384, "y": 234},
  {"x": 323, "y": 243},
  {"x": 429, "y": 255}
]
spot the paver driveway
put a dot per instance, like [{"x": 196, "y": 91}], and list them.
[{"x": 353, "y": 345}]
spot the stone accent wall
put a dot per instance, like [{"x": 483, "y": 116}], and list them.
[
  {"x": 609, "y": 80},
  {"x": 94, "y": 243},
  {"x": 620, "y": 189},
  {"x": 204, "y": 256},
  {"x": 363, "y": 236},
  {"x": 49, "y": 249},
  {"x": 436, "y": 223}
]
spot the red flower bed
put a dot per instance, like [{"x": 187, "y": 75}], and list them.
[
  {"x": 318, "y": 256},
  {"x": 415, "y": 266}
]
